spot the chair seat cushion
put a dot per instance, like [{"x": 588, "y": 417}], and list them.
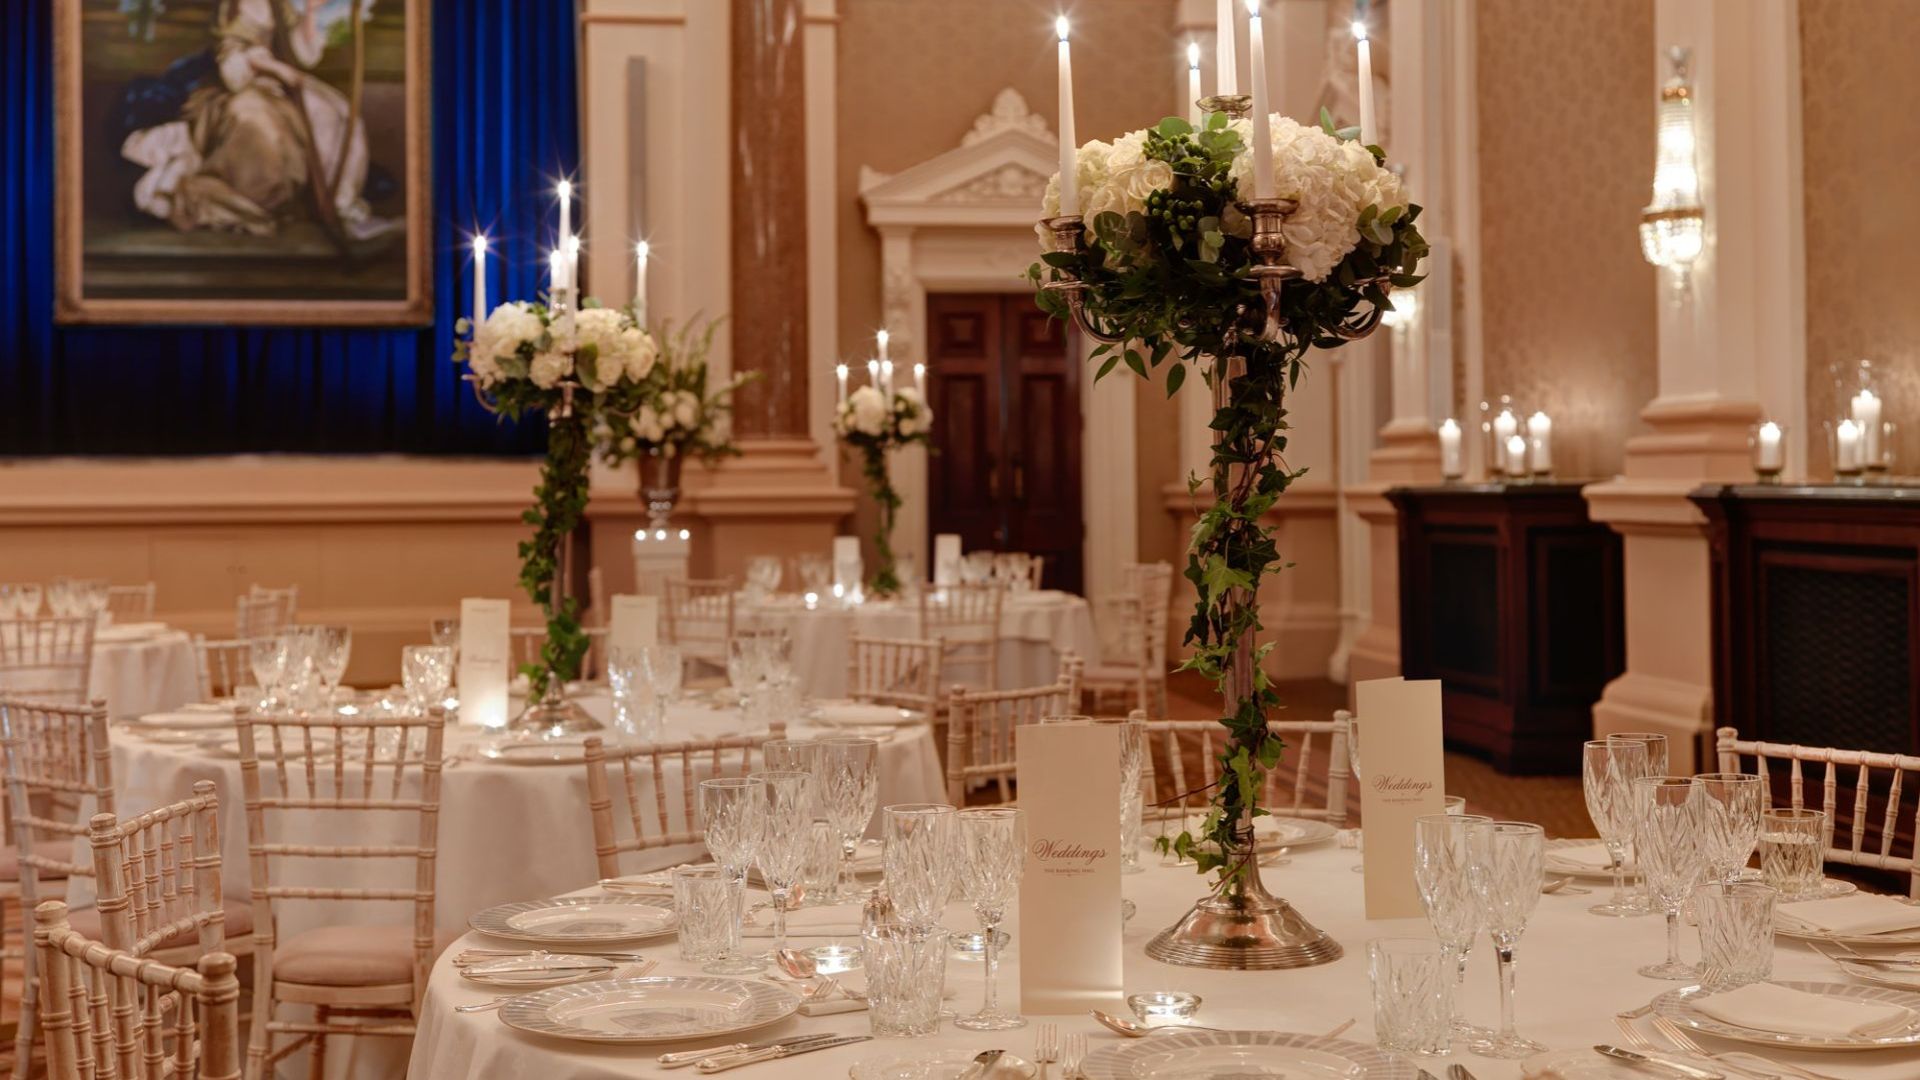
[
  {"x": 239, "y": 924},
  {"x": 58, "y": 850},
  {"x": 351, "y": 955}
]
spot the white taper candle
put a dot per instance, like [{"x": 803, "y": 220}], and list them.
[
  {"x": 1194, "y": 93},
  {"x": 479, "y": 279},
  {"x": 1369, "y": 132},
  {"x": 1262, "y": 149},
  {"x": 641, "y": 251},
  {"x": 840, "y": 372},
  {"x": 565, "y": 190},
  {"x": 1069, "y": 173},
  {"x": 1224, "y": 78}
]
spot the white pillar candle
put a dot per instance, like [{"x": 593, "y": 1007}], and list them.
[
  {"x": 641, "y": 252},
  {"x": 1516, "y": 456},
  {"x": 1069, "y": 174},
  {"x": 1846, "y": 447},
  {"x": 1225, "y": 81},
  {"x": 479, "y": 279},
  {"x": 840, "y": 373},
  {"x": 1505, "y": 426},
  {"x": 1262, "y": 149},
  {"x": 1451, "y": 463},
  {"x": 565, "y": 190},
  {"x": 1540, "y": 438},
  {"x": 873, "y": 374},
  {"x": 1769, "y": 453},
  {"x": 1194, "y": 93},
  {"x": 1368, "y": 130},
  {"x": 886, "y": 377},
  {"x": 1866, "y": 414}
]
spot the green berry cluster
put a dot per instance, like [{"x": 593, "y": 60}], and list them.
[{"x": 1179, "y": 214}]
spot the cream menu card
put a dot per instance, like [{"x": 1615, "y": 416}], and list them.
[
  {"x": 1070, "y": 886},
  {"x": 635, "y": 622},
  {"x": 1402, "y": 775},
  {"x": 946, "y": 559},
  {"x": 485, "y": 661}
]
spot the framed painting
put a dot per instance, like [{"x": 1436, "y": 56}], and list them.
[{"x": 243, "y": 161}]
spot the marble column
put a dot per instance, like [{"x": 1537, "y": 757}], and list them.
[{"x": 769, "y": 234}]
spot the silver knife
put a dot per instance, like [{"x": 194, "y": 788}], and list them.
[
  {"x": 680, "y": 1058},
  {"x": 775, "y": 1052},
  {"x": 1672, "y": 1067}
]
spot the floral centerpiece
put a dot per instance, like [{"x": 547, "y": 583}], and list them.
[
  {"x": 874, "y": 421},
  {"x": 531, "y": 359},
  {"x": 673, "y": 414},
  {"x": 1174, "y": 266}
]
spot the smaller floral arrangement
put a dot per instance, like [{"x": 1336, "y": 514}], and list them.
[
  {"x": 674, "y": 412},
  {"x": 875, "y": 421}
]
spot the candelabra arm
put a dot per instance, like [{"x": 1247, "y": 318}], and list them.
[
  {"x": 492, "y": 405},
  {"x": 1270, "y": 248},
  {"x": 1069, "y": 235}
]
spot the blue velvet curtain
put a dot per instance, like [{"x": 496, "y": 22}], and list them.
[{"x": 504, "y": 127}]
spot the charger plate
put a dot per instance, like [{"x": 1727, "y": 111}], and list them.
[
  {"x": 651, "y": 1010},
  {"x": 1204, "y": 1055},
  {"x": 579, "y": 920},
  {"x": 1680, "y": 1007}
]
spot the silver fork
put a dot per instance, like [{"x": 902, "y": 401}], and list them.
[
  {"x": 1624, "y": 1021},
  {"x": 1046, "y": 1047},
  {"x": 1738, "y": 1059},
  {"x": 1072, "y": 1056}
]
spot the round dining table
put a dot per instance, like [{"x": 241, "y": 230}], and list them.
[
  {"x": 1575, "y": 972},
  {"x": 143, "y": 667},
  {"x": 1036, "y": 629}
]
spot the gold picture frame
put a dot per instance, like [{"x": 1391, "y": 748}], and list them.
[{"x": 187, "y": 136}]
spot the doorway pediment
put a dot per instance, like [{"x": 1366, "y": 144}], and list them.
[{"x": 995, "y": 177}]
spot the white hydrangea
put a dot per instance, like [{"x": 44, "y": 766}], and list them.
[
  {"x": 499, "y": 336},
  {"x": 549, "y": 367},
  {"x": 686, "y": 409},
  {"x": 915, "y": 417},
  {"x": 648, "y": 426},
  {"x": 616, "y": 343},
  {"x": 867, "y": 410},
  {"x": 1333, "y": 181}
]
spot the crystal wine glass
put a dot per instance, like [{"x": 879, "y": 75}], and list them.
[
  {"x": 663, "y": 669},
  {"x": 267, "y": 658},
  {"x": 1607, "y": 772},
  {"x": 993, "y": 845},
  {"x": 30, "y": 600},
  {"x": 425, "y": 671},
  {"x": 734, "y": 811},
  {"x": 786, "y": 755},
  {"x": 1441, "y": 856},
  {"x": 1729, "y": 822},
  {"x": 623, "y": 678},
  {"x": 783, "y": 851},
  {"x": 849, "y": 791},
  {"x": 1505, "y": 869},
  {"x": 919, "y": 855},
  {"x": 1640, "y": 902},
  {"x": 1672, "y": 859},
  {"x": 335, "y": 647},
  {"x": 59, "y": 602}
]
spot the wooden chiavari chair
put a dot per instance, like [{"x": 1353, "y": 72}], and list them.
[
  {"x": 1872, "y": 816},
  {"x": 131, "y": 603},
  {"x": 980, "y": 727},
  {"x": 374, "y": 976},
  {"x": 1140, "y": 668},
  {"x": 113, "y": 1014},
  {"x": 221, "y": 666},
  {"x": 1183, "y": 762},
  {"x": 965, "y": 619},
  {"x": 57, "y": 758},
  {"x": 50, "y": 659},
  {"x": 649, "y": 776},
  {"x": 528, "y": 643},
  {"x": 699, "y": 619},
  {"x": 895, "y": 671},
  {"x": 263, "y": 613}
]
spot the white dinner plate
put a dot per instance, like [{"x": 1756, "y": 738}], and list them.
[
  {"x": 1879, "y": 976},
  {"x": 1568, "y": 868},
  {"x": 844, "y": 713},
  {"x": 1788, "y": 927},
  {"x": 1270, "y": 832},
  {"x": 176, "y": 736},
  {"x": 1205, "y": 1055},
  {"x": 1581, "y": 1064},
  {"x": 195, "y": 720},
  {"x": 123, "y": 633},
  {"x": 579, "y": 920},
  {"x": 535, "y": 975},
  {"x": 1679, "y": 1006},
  {"x": 561, "y": 751},
  {"x": 651, "y": 1010}
]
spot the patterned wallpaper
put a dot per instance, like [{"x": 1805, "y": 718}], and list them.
[
  {"x": 1861, "y": 90},
  {"x": 1566, "y": 156}
]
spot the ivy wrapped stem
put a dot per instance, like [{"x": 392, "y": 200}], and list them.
[{"x": 560, "y": 503}]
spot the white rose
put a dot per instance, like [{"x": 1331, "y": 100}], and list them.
[
  {"x": 499, "y": 337},
  {"x": 640, "y": 352},
  {"x": 869, "y": 411},
  {"x": 647, "y": 426},
  {"x": 686, "y": 410},
  {"x": 548, "y": 368}
]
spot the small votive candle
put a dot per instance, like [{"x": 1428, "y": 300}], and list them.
[
  {"x": 1164, "y": 1006},
  {"x": 1452, "y": 462},
  {"x": 1516, "y": 456},
  {"x": 1769, "y": 450}
]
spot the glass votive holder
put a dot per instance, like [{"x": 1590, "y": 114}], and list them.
[
  {"x": 1412, "y": 994},
  {"x": 973, "y": 946},
  {"x": 1736, "y": 932},
  {"x": 703, "y": 896},
  {"x": 906, "y": 978},
  {"x": 1164, "y": 1006},
  {"x": 1793, "y": 850},
  {"x": 820, "y": 873}
]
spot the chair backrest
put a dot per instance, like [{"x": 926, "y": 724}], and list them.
[
  {"x": 1183, "y": 763},
  {"x": 980, "y": 736},
  {"x": 157, "y": 876},
  {"x": 699, "y": 618},
  {"x": 1149, "y": 589},
  {"x": 655, "y": 781},
  {"x": 1862, "y": 771},
  {"x": 528, "y": 642},
  {"x": 263, "y": 612},
  {"x": 57, "y": 756},
  {"x": 109, "y": 1013},
  {"x": 965, "y": 619},
  {"x": 222, "y": 666},
  {"x": 131, "y": 603},
  {"x": 356, "y": 766},
  {"x": 50, "y": 659},
  {"x": 895, "y": 671}
]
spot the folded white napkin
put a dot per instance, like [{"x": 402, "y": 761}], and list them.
[
  {"x": 1593, "y": 856},
  {"x": 185, "y": 719},
  {"x": 1770, "y": 1007},
  {"x": 123, "y": 632},
  {"x": 1856, "y": 913},
  {"x": 857, "y": 713}
]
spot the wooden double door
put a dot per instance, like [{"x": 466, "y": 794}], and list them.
[{"x": 1005, "y": 468}]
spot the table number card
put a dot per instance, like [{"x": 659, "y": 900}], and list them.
[
  {"x": 1402, "y": 776},
  {"x": 635, "y": 622},
  {"x": 1070, "y": 959},
  {"x": 485, "y": 661},
  {"x": 946, "y": 559}
]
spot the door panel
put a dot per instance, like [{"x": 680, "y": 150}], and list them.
[{"x": 964, "y": 391}]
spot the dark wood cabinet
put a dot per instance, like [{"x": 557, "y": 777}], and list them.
[
  {"x": 1816, "y": 613},
  {"x": 1510, "y": 596}
]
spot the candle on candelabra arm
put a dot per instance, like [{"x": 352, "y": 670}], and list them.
[
  {"x": 479, "y": 279},
  {"x": 573, "y": 269},
  {"x": 641, "y": 251},
  {"x": 556, "y": 275},
  {"x": 565, "y": 190},
  {"x": 1540, "y": 438},
  {"x": 920, "y": 380},
  {"x": 840, "y": 373},
  {"x": 1368, "y": 132},
  {"x": 1452, "y": 465},
  {"x": 880, "y": 338},
  {"x": 1866, "y": 415},
  {"x": 886, "y": 377},
  {"x": 1225, "y": 79},
  {"x": 1069, "y": 172},
  {"x": 1193, "y": 84},
  {"x": 873, "y": 374},
  {"x": 1262, "y": 149}
]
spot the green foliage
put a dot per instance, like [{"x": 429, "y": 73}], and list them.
[{"x": 560, "y": 502}]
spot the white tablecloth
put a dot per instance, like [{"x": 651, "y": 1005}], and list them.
[
  {"x": 144, "y": 674},
  {"x": 507, "y": 832},
  {"x": 1575, "y": 971},
  {"x": 1034, "y": 630}
]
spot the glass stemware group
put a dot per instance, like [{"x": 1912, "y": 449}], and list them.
[
  {"x": 735, "y": 814},
  {"x": 1442, "y": 855},
  {"x": 993, "y": 846},
  {"x": 1609, "y": 768},
  {"x": 1505, "y": 868},
  {"x": 1671, "y": 856}
]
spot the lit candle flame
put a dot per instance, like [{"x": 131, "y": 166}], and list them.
[
  {"x": 565, "y": 189},
  {"x": 1193, "y": 55},
  {"x": 480, "y": 243},
  {"x": 1060, "y": 27},
  {"x": 1359, "y": 30},
  {"x": 644, "y": 250}
]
